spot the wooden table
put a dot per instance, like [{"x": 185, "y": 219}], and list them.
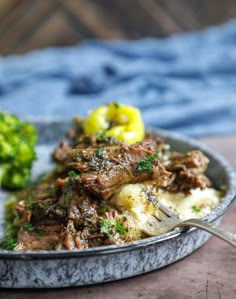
[{"x": 208, "y": 273}]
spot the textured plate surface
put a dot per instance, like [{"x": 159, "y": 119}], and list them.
[{"x": 48, "y": 269}]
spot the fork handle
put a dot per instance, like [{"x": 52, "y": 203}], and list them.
[{"x": 211, "y": 228}]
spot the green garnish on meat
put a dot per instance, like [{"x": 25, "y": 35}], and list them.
[
  {"x": 146, "y": 163},
  {"x": 72, "y": 173},
  {"x": 99, "y": 152},
  {"x": 101, "y": 136},
  {"x": 40, "y": 232},
  {"x": 9, "y": 244},
  {"x": 107, "y": 225},
  {"x": 28, "y": 227}
]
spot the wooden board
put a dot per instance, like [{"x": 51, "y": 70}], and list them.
[{"x": 27, "y": 24}]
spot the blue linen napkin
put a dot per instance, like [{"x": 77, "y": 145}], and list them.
[{"x": 185, "y": 83}]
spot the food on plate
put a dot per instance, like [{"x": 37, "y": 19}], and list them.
[
  {"x": 17, "y": 142},
  {"x": 115, "y": 120},
  {"x": 105, "y": 187}
]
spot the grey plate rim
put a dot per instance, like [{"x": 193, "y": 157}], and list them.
[{"x": 227, "y": 201}]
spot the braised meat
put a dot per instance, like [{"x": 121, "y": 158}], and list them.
[
  {"x": 41, "y": 237},
  {"x": 195, "y": 161},
  {"x": 102, "y": 171},
  {"x": 60, "y": 153},
  {"x": 65, "y": 210},
  {"x": 47, "y": 216},
  {"x": 189, "y": 171}
]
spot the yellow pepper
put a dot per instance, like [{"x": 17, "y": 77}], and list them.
[{"x": 115, "y": 120}]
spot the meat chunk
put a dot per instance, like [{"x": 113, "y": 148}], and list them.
[
  {"x": 60, "y": 153},
  {"x": 55, "y": 214},
  {"x": 189, "y": 171},
  {"x": 43, "y": 237},
  {"x": 83, "y": 210},
  {"x": 36, "y": 202},
  {"x": 194, "y": 161},
  {"x": 103, "y": 171}
]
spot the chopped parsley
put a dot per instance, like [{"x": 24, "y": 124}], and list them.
[
  {"x": 116, "y": 105},
  {"x": 72, "y": 173},
  {"x": 28, "y": 227},
  {"x": 8, "y": 244},
  {"x": 106, "y": 225},
  {"x": 146, "y": 163},
  {"x": 99, "y": 152},
  {"x": 30, "y": 206},
  {"x": 120, "y": 229},
  {"x": 110, "y": 223},
  {"x": 101, "y": 136},
  {"x": 196, "y": 209},
  {"x": 40, "y": 232}
]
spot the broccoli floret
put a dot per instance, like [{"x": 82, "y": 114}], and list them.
[{"x": 17, "y": 141}]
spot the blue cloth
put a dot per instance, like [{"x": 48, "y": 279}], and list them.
[{"x": 185, "y": 83}]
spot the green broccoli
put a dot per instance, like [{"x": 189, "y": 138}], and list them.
[{"x": 17, "y": 141}]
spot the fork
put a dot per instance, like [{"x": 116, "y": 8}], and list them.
[{"x": 166, "y": 220}]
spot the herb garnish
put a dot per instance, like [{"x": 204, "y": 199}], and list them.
[
  {"x": 146, "y": 163},
  {"x": 72, "y": 173},
  {"x": 196, "y": 209},
  {"x": 99, "y": 151},
  {"x": 120, "y": 229},
  {"x": 108, "y": 224},
  {"x": 40, "y": 232},
  {"x": 28, "y": 227},
  {"x": 101, "y": 136},
  {"x": 116, "y": 105},
  {"x": 30, "y": 206},
  {"x": 8, "y": 244}
]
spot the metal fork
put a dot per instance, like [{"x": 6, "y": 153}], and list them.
[{"x": 166, "y": 220}]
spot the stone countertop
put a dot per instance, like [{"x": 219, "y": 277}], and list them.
[{"x": 210, "y": 272}]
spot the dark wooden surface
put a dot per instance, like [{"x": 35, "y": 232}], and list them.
[
  {"x": 208, "y": 273},
  {"x": 27, "y": 24}
]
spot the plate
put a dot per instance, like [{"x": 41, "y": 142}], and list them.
[{"x": 50, "y": 269}]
